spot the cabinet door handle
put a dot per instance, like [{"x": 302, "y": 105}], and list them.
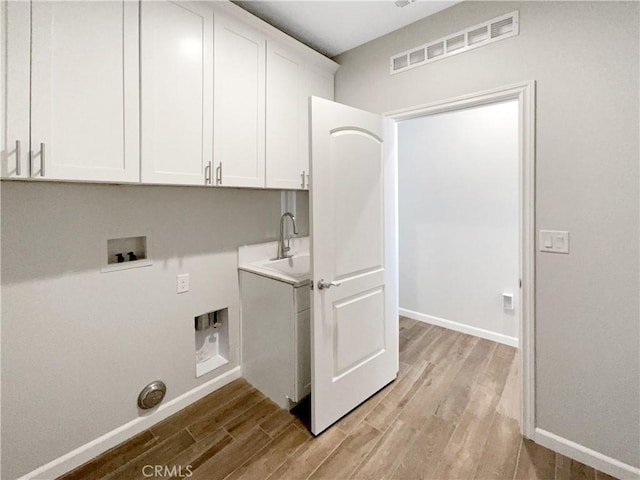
[
  {"x": 219, "y": 174},
  {"x": 42, "y": 160},
  {"x": 303, "y": 177},
  {"x": 18, "y": 155},
  {"x": 207, "y": 174}
]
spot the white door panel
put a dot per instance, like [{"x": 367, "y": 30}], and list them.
[
  {"x": 316, "y": 83},
  {"x": 283, "y": 120},
  {"x": 354, "y": 322},
  {"x": 239, "y": 102},
  {"x": 85, "y": 94},
  {"x": 176, "y": 92},
  {"x": 359, "y": 214},
  {"x": 16, "y": 41},
  {"x": 358, "y": 330}
]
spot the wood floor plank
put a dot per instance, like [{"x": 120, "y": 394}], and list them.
[
  {"x": 603, "y": 476},
  {"x": 383, "y": 414},
  {"x": 425, "y": 343},
  {"x": 421, "y": 456},
  {"x": 580, "y": 471},
  {"x": 201, "y": 451},
  {"x": 410, "y": 337},
  {"x": 535, "y": 462},
  {"x": 440, "y": 349},
  {"x": 202, "y": 407},
  {"x": 358, "y": 414},
  {"x": 250, "y": 418},
  {"x": 270, "y": 458},
  {"x": 113, "y": 459},
  {"x": 233, "y": 456},
  {"x": 426, "y": 400},
  {"x": 462, "y": 454},
  {"x": 224, "y": 414},
  {"x": 563, "y": 467},
  {"x": 311, "y": 454},
  {"x": 160, "y": 454},
  {"x": 385, "y": 456},
  {"x": 342, "y": 462},
  {"x": 455, "y": 402},
  {"x": 405, "y": 324},
  {"x": 277, "y": 422},
  {"x": 509, "y": 405},
  {"x": 500, "y": 454}
]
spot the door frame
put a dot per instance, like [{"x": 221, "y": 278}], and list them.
[{"x": 524, "y": 92}]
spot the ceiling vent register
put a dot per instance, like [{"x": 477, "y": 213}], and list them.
[{"x": 496, "y": 29}]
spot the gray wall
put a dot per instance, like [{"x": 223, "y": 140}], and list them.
[
  {"x": 458, "y": 218},
  {"x": 77, "y": 344},
  {"x": 584, "y": 57}
]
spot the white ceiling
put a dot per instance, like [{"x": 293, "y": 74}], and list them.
[{"x": 333, "y": 27}]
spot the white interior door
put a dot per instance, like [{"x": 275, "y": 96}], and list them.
[{"x": 355, "y": 320}]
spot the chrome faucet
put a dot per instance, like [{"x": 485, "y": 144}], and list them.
[{"x": 282, "y": 249}]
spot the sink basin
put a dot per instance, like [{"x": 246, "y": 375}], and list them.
[{"x": 297, "y": 266}]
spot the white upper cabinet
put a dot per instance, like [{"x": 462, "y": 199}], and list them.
[
  {"x": 239, "y": 103},
  {"x": 290, "y": 82},
  {"x": 16, "y": 58},
  {"x": 315, "y": 83},
  {"x": 157, "y": 92},
  {"x": 85, "y": 91},
  {"x": 176, "y": 92},
  {"x": 283, "y": 114}
]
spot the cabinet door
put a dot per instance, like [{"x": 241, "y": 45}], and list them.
[
  {"x": 303, "y": 355},
  {"x": 316, "y": 83},
  {"x": 283, "y": 119},
  {"x": 239, "y": 123},
  {"x": 85, "y": 91},
  {"x": 176, "y": 92},
  {"x": 16, "y": 57}
]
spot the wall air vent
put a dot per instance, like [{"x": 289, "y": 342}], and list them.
[{"x": 496, "y": 29}]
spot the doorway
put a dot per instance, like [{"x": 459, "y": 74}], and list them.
[
  {"x": 522, "y": 98},
  {"x": 458, "y": 220}
]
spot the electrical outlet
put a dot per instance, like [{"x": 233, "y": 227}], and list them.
[{"x": 183, "y": 283}]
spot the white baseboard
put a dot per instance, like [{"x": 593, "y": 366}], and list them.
[
  {"x": 86, "y": 452},
  {"x": 460, "y": 327},
  {"x": 585, "y": 455}
]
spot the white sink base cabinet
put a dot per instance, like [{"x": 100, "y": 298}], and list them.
[{"x": 276, "y": 338}]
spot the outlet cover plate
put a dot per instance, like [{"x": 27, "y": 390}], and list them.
[{"x": 183, "y": 283}]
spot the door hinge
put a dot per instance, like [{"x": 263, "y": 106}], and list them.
[
  {"x": 311, "y": 285},
  {"x": 520, "y": 280}
]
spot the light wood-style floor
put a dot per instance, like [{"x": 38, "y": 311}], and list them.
[{"x": 451, "y": 414}]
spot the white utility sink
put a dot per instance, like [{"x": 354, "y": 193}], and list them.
[
  {"x": 294, "y": 270},
  {"x": 298, "y": 265}
]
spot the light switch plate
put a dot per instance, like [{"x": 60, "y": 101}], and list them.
[{"x": 554, "y": 241}]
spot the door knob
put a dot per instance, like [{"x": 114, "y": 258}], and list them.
[{"x": 322, "y": 284}]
